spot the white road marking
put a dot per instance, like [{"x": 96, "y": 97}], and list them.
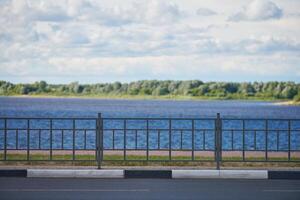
[
  {"x": 74, "y": 190},
  {"x": 281, "y": 190}
]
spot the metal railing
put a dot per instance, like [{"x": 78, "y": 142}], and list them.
[
  {"x": 150, "y": 139},
  {"x": 22, "y": 138}
]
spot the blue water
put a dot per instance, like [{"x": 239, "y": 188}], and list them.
[{"x": 254, "y": 137}]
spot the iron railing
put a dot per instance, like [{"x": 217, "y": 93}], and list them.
[{"x": 150, "y": 139}]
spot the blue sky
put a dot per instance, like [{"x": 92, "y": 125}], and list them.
[{"x": 126, "y": 40}]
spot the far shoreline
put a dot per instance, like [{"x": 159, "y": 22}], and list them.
[
  {"x": 287, "y": 103},
  {"x": 172, "y": 98}
]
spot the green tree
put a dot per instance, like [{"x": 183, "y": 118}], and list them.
[{"x": 159, "y": 91}]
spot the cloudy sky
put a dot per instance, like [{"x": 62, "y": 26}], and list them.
[{"x": 125, "y": 40}]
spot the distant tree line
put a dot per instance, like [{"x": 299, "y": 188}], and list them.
[{"x": 192, "y": 88}]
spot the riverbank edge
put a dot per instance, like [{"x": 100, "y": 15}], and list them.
[
  {"x": 287, "y": 103},
  {"x": 172, "y": 98},
  {"x": 150, "y": 173}
]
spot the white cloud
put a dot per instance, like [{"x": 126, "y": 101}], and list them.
[
  {"x": 150, "y": 12},
  {"x": 205, "y": 12},
  {"x": 249, "y": 46},
  {"x": 158, "y": 11},
  {"x": 162, "y": 67},
  {"x": 258, "y": 10},
  {"x": 145, "y": 39}
]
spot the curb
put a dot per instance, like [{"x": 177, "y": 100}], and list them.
[
  {"x": 244, "y": 174},
  {"x": 221, "y": 174},
  {"x": 195, "y": 174},
  {"x": 163, "y": 174},
  {"x": 13, "y": 173},
  {"x": 292, "y": 175},
  {"x": 166, "y": 174},
  {"x": 57, "y": 173}
]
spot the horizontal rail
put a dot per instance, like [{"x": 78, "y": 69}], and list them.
[
  {"x": 261, "y": 119},
  {"x": 150, "y": 129},
  {"x": 149, "y": 118},
  {"x": 48, "y": 129},
  {"x": 48, "y": 118},
  {"x": 155, "y": 118}
]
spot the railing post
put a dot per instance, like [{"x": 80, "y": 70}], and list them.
[
  {"x": 266, "y": 138},
  {"x": 218, "y": 139},
  {"x": 99, "y": 142},
  {"x": 101, "y": 139}
]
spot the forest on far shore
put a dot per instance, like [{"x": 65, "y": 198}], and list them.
[{"x": 160, "y": 89}]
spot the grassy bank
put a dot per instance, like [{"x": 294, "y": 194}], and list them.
[
  {"x": 149, "y": 97},
  {"x": 166, "y": 97}
]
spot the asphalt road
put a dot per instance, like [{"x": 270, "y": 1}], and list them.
[{"x": 86, "y": 189}]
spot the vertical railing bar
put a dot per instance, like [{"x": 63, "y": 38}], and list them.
[
  {"x": 255, "y": 140},
  {"x": 243, "y": 140},
  {"x": 193, "y": 139},
  {"x": 158, "y": 138},
  {"x": 203, "y": 136},
  {"x": 232, "y": 141},
  {"x": 51, "y": 139},
  {"x": 266, "y": 142},
  {"x": 170, "y": 140},
  {"x": 5, "y": 139},
  {"x": 113, "y": 140},
  {"x": 136, "y": 139},
  {"x": 124, "y": 141},
  {"x": 73, "y": 150},
  {"x": 289, "y": 140},
  {"x": 180, "y": 139},
  {"x": 28, "y": 138},
  {"x": 147, "y": 153},
  {"x": 84, "y": 139},
  {"x": 277, "y": 140},
  {"x": 39, "y": 139},
  {"x": 62, "y": 139},
  {"x": 17, "y": 139}
]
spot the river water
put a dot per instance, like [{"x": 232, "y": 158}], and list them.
[{"x": 181, "y": 135}]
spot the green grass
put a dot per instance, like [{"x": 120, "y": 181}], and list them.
[
  {"x": 66, "y": 157},
  {"x": 138, "y": 160}
]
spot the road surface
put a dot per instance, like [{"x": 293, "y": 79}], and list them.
[{"x": 86, "y": 189}]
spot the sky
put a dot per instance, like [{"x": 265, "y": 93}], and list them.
[{"x": 93, "y": 41}]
